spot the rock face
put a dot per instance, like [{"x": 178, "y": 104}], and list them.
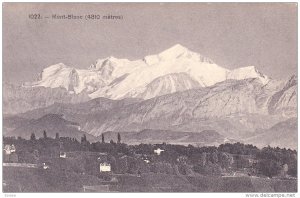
[
  {"x": 17, "y": 99},
  {"x": 234, "y": 108},
  {"x": 228, "y": 107},
  {"x": 167, "y": 84},
  {"x": 175, "y": 69},
  {"x": 285, "y": 100}
]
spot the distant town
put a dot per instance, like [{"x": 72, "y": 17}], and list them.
[{"x": 64, "y": 164}]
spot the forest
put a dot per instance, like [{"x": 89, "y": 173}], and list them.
[{"x": 208, "y": 160}]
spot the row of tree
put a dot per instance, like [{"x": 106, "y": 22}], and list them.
[
  {"x": 83, "y": 138},
  {"x": 203, "y": 159}
]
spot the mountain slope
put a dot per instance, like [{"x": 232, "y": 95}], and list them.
[
  {"x": 233, "y": 108},
  {"x": 12, "y": 122},
  {"x": 171, "y": 137},
  {"x": 17, "y": 99},
  {"x": 283, "y": 134},
  {"x": 285, "y": 100},
  {"x": 121, "y": 78},
  {"x": 163, "y": 85},
  {"x": 77, "y": 112},
  {"x": 52, "y": 124}
]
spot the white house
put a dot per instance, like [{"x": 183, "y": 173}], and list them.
[
  {"x": 105, "y": 167},
  {"x": 147, "y": 161},
  {"x": 45, "y": 166},
  {"x": 158, "y": 151},
  {"x": 12, "y": 148},
  {"x": 9, "y": 149},
  {"x": 63, "y": 155}
]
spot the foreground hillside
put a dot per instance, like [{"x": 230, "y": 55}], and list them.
[
  {"x": 33, "y": 180},
  {"x": 65, "y": 164}
]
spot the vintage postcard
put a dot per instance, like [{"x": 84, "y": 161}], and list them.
[{"x": 150, "y": 97}]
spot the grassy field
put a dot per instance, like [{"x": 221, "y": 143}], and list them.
[{"x": 38, "y": 180}]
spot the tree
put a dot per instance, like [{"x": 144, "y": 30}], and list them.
[
  {"x": 202, "y": 160},
  {"x": 83, "y": 138},
  {"x": 45, "y": 134},
  {"x": 57, "y": 136},
  {"x": 225, "y": 160},
  {"x": 269, "y": 168},
  {"x": 102, "y": 136},
  {"x": 36, "y": 155},
  {"x": 214, "y": 157},
  {"x": 32, "y": 137},
  {"x": 119, "y": 138}
]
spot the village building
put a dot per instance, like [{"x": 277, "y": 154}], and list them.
[
  {"x": 105, "y": 167},
  {"x": 12, "y": 148},
  {"x": 9, "y": 149},
  {"x": 63, "y": 155},
  {"x": 158, "y": 151},
  {"x": 45, "y": 166},
  {"x": 10, "y": 154}
]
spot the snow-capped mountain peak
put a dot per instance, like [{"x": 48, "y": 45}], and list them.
[
  {"x": 178, "y": 51},
  {"x": 51, "y": 70},
  {"x": 105, "y": 61},
  {"x": 173, "y": 52},
  {"x": 115, "y": 78},
  {"x": 247, "y": 72}
]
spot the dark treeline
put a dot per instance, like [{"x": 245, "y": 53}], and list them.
[{"x": 268, "y": 161}]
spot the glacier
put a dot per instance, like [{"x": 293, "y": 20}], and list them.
[{"x": 175, "y": 69}]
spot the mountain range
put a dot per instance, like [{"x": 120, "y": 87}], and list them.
[
  {"x": 175, "y": 69},
  {"x": 177, "y": 96}
]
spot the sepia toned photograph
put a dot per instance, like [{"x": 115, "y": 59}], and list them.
[{"x": 150, "y": 97}]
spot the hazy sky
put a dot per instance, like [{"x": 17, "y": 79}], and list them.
[{"x": 232, "y": 35}]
